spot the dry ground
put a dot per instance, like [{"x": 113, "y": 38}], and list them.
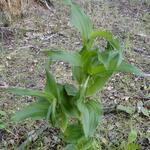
[{"x": 22, "y": 63}]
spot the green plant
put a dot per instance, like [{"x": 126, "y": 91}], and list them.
[
  {"x": 73, "y": 108},
  {"x": 130, "y": 143},
  {"x": 142, "y": 109},
  {"x": 128, "y": 109},
  {"x": 2, "y": 122}
]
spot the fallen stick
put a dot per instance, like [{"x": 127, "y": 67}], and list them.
[{"x": 31, "y": 138}]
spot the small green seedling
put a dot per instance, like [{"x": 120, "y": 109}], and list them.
[
  {"x": 142, "y": 109},
  {"x": 73, "y": 108},
  {"x": 2, "y": 123},
  {"x": 130, "y": 143},
  {"x": 127, "y": 109}
]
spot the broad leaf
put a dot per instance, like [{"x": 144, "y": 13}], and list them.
[
  {"x": 87, "y": 55},
  {"x": 68, "y": 103},
  {"x": 37, "y": 110},
  {"x": 73, "y": 133},
  {"x": 127, "y": 109},
  {"x": 81, "y": 22},
  {"x": 116, "y": 60},
  {"x": 70, "y": 89},
  {"x": 53, "y": 113},
  {"x": 2, "y": 125},
  {"x": 96, "y": 83},
  {"x": 145, "y": 111},
  {"x": 61, "y": 120},
  {"x": 126, "y": 67},
  {"x": 104, "y": 58},
  {"x": 49, "y": 111},
  {"x": 70, "y": 147},
  {"x": 83, "y": 89},
  {"x": 85, "y": 118},
  {"x": 132, "y": 146},
  {"x": 51, "y": 86},
  {"x": 110, "y": 60},
  {"x": 85, "y": 144},
  {"x": 29, "y": 92},
  {"x": 73, "y": 58},
  {"x": 108, "y": 37},
  {"x": 132, "y": 136},
  {"x": 95, "y": 111},
  {"x": 103, "y": 34},
  {"x": 97, "y": 69},
  {"x": 78, "y": 74},
  {"x": 91, "y": 113}
]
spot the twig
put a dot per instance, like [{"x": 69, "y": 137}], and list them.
[
  {"x": 32, "y": 138},
  {"x": 19, "y": 29},
  {"x": 49, "y": 4},
  {"x": 141, "y": 98},
  {"x": 108, "y": 110},
  {"x": 115, "y": 109}
]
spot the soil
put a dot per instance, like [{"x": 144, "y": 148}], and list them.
[{"x": 22, "y": 65}]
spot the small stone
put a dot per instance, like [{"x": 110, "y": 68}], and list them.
[
  {"x": 117, "y": 74},
  {"x": 115, "y": 95},
  {"x": 12, "y": 142},
  {"x": 35, "y": 61},
  {"x": 111, "y": 97},
  {"x": 8, "y": 57},
  {"x": 31, "y": 70},
  {"x": 126, "y": 98},
  {"x": 109, "y": 88}
]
